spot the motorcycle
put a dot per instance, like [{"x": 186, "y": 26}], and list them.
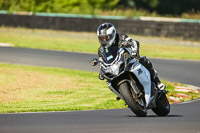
[{"x": 131, "y": 82}]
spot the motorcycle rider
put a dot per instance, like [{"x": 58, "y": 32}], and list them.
[{"x": 111, "y": 41}]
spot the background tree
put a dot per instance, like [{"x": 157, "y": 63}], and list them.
[{"x": 163, "y": 7}]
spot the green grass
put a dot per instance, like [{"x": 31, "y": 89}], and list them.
[
  {"x": 159, "y": 47},
  {"x": 33, "y": 89},
  {"x": 48, "y": 39}
]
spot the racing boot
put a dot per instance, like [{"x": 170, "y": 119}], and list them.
[
  {"x": 158, "y": 83},
  {"x": 161, "y": 86}
]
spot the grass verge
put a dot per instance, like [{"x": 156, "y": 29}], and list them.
[
  {"x": 33, "y": 89},
  {"x": 175, "y": 48}
]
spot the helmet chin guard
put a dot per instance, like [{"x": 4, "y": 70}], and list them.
[{"x": 106, "y": 33}]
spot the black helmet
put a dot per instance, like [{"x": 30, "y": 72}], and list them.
[{"x": 106, "y": 33}]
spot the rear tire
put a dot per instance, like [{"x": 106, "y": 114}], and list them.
[
  {"x": 162, "y": 106},
  {"x": 139, "y": 110}
]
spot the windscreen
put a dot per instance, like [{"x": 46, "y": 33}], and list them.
[{"x": 110, "y": 54}]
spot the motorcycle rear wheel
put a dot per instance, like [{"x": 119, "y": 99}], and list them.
[
  {"x": 162, "y": 106},
  {"x": 139, "y": 110}
]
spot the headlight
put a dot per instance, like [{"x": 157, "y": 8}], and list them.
[{"x": 115, "y": 69}]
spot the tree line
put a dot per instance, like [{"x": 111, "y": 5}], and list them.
[{"x": 89, "y": 6}]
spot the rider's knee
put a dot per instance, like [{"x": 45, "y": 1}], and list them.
[
  {"x": 149, "y": 64},
  {"x": 146, "y": 62}
]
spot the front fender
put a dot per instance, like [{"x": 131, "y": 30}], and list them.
[{"x": 122, "y": 81}]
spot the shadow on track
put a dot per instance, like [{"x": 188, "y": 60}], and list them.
[{"x": 152, "y": 116}]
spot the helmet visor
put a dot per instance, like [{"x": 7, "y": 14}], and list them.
[{"x": 105, "y": 38}]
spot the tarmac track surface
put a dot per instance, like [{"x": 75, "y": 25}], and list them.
[
  {"x": 183, "y": 71},
  {"x": 183, "y": 118}
]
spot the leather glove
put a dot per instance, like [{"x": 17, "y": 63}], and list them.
[
  {"x": 134, "y": 52},
  {"x": 123, "y": 43}
]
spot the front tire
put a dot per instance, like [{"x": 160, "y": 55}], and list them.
[
  {"x": 162, "y": 106},
  {"x": 132, "y": 103}
]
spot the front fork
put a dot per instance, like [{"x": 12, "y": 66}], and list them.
[
  {"x": 114, "y": 91},
  {"x": 134, "y": 89}
]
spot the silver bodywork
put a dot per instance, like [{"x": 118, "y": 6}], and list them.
[
  {"x": 137, "y": 69},
  {"x": 143, "y": 76}
]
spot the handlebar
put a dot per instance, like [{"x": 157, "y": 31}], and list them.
[{"x": 121, "y": 51}]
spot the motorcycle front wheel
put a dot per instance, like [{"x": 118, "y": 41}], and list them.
[
  {"x": 162, "y": 106},
  {"x": 136, "y": 105}
]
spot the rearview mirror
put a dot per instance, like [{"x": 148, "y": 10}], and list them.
[{"x": 94, "y": 62}]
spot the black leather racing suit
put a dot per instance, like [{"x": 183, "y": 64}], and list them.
[{"x": 134, "y": 45}]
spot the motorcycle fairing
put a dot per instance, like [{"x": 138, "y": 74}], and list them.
[{"x": 144, "y": 78}]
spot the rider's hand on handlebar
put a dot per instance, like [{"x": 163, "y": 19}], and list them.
[
  {"x": 133, "y": 54},
  {"x": 123, "y": 43}
]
